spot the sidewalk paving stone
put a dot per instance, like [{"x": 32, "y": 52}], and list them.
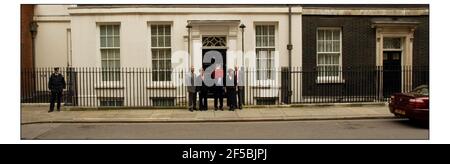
[{"x": 36, "y": 114}]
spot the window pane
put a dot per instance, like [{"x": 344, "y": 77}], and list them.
[
  {"x": 104, "y": 54},
  {"x": 102, "y": 41},
  {"x": 160, "y": 76},
  {"x": 117, "y": 54},
  {"x": 160, "y": 41},
  {"x": 263, "y": 41},
  {"x": 108, "y": 30},
  {"x": 392, "y": 43},
  {"x": 116, "y": 30},
  {"x": 271, "y": 41},
  {"x": 102, "y": 30},
  {"x": 320, "y": 47},
  {"x": 264, "y": 30},
  {"x": 160, "y": 30},
  {"x": 336, "y": 46},
  {"x": 168, "y": 65},
  {"x": 328, "y": 34},
  {"x": 168, "y": 54},
  {"x": 328, "y": 46},
  {"x": 321, "y": 59},
  {"x": 154, "y": 64},
  {"x": 109, "y": 41},
  {"x": 154, "y": 41},
  {"x": 258, "y": 41},
  {"x": 320, "y": 35},
  {"x": 336, "y": 35},
  {"x": 153, "y": 29},
  {"x": 271, "y": 30},
  {"x": 154, "y": 54},
  {"x": 116, "y": 41},
  {"x": 258, "y": 30},
  {"x": 167, "y": 41},
  {"x": 116, "y": 64},
  {"x": 335, "y": 59},
  {"x": 167, "y": 30}
]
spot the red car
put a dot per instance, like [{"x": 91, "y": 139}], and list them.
[{"x": 413, "y": 105}]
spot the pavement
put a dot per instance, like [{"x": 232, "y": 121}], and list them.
[{"x": 34, "y": 114}]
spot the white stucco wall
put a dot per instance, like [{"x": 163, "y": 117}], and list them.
[
  {"x": 135, "y": 37},
  {"x": 52, "y": 35}
]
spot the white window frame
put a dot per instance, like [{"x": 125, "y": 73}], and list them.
[
  {"x": 160, "y": 48},
  {"x": 268, "y": 49},
  {"x": 114, "y": 81},
  {"x": 329, "y": 79}
]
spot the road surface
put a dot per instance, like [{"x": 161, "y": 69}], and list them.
[{"x": 324, "y": 129}]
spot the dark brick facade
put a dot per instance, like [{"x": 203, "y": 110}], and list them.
[
  {"x": 26, "y": 58},
  {"x": 358, "y": 51}
]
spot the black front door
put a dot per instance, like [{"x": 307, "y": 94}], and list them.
[
  {"x": 392, "y": 72},
  {"x": 213, "y": 61}
]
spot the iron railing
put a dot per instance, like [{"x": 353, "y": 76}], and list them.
[{"x": 139, "y": 87}]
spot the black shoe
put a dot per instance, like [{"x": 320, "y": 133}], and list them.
[
  {"x": 50, "y": 111},
  {"x": 191, "y": 110},
  {"x": 221, "y": 109}
]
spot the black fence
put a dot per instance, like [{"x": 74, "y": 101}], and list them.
[{"x": 144, "y": 87}]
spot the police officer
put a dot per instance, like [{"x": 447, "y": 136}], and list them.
[
  {"x": 192, "y": 90},
  {"x": 56, "y": 84}
]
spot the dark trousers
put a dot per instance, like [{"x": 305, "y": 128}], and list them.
[
  {"x": 192, "y": 100},
  {"x": 231, "y": 98},
  {"x": 218, "y": 94},
  {"x": 203, "y": 102},
  {"x": 56, "y": 96},
  {"x": 240, "y": 97}
]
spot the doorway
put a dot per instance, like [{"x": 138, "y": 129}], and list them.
[
  {"x": 392, "y": 72},
  {"x": 213, "y": 61}
]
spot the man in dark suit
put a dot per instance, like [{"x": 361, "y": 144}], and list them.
[
  {"x": 240, "y": 79},
  {"x": 231, "y": 89},
  {"x": 218, "y": 87},
  {"x": 203, "y": 90},
  {"x": 56, "y": 84},
  {"x": 192, "y": 90}
]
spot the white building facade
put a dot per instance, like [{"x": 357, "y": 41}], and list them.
[{"x": 158, "y": 39}]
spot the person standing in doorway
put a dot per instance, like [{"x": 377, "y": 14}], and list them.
[
  {"x": 218, "y": 87},
  {"x": 192, "y": 90},
  {"x": 56, "y": 84}
]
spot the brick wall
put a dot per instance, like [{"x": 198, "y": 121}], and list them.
[
  {"x": 358, "y": 49},
  {"x": 26, "y": 60}
]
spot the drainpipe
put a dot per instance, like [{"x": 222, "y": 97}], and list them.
[
  {"x": 289, "y": 48},
  {"x": 33, "y": 31},
  {"x": 189, "y": 45}
]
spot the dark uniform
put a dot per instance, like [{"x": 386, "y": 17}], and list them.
[
  {"x": 231, "y": 90},
  {"x": 56, "y": 84}
]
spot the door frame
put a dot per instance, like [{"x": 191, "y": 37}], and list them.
[{"x": 407, "y": 35}]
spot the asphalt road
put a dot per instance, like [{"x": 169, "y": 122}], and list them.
[{"x": 325, "y": 129}]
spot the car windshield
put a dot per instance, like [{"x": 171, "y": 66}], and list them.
[{"x": 421, "y": 90}]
